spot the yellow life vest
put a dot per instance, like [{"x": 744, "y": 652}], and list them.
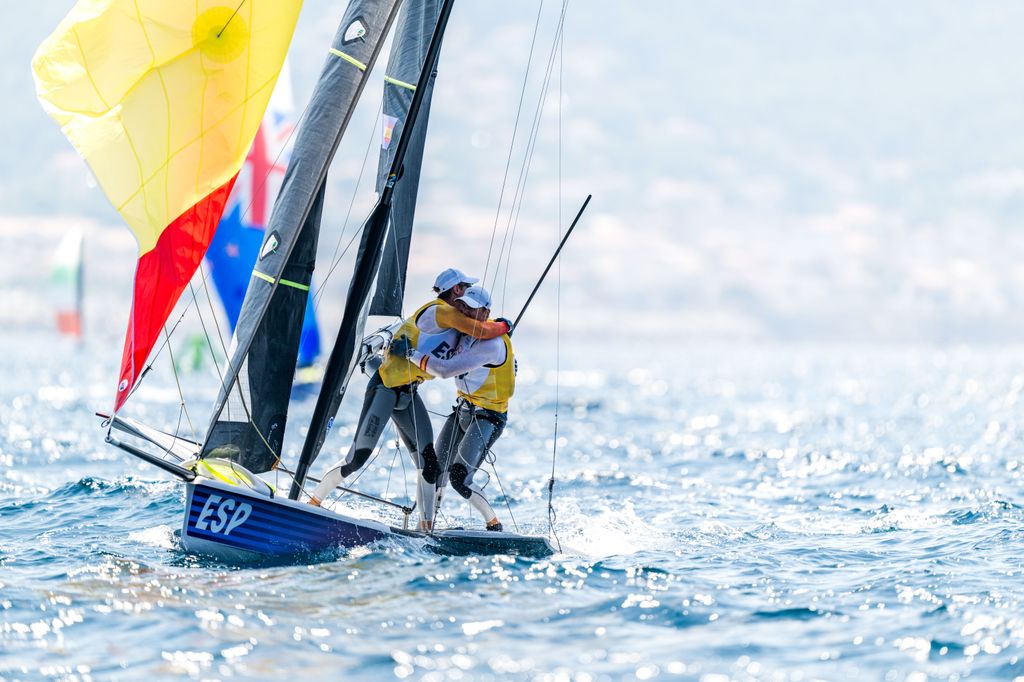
[
  {"x": 398, "y": 371},
  {"x": 490, "y": 386}
]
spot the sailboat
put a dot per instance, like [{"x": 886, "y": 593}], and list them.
[
  {"x": 66, "y": 275},
  {"x": 232, "y": 513}
]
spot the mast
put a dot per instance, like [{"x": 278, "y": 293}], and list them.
[
  {"x": 248, "y": 420},
  {"x": 341, "y": 362},
  {"x": 414, "y": 29}
]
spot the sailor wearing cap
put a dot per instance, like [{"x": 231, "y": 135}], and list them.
[
  {"x": 434, "y": 329},
  {"x": 485, "y": 378}
]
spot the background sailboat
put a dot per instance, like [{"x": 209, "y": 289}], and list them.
[{"x": 66, "y": 279}]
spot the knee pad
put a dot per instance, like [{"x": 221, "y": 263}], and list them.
[
  {"x": 431, "y": 467},
  {"x": 460, "y": 480},
  {"x": 359, "y": 458}
]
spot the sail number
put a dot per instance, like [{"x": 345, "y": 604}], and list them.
[{"x": 221, "y": 515}]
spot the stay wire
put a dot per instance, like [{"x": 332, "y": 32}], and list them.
[
  {"x": 512, "y": 144},
  {"x": 552, "y": 514},
  {"x": 155, "y": 356},
  {"x": 230, "y": 19},
  {"x": 224, "y": 387},
  {"x": 504, "y": 495},
  {"x": 216, "y": 321},
  {"x": 524, "y": 172},
  {"x": 181, "y": 394},
  {"x": 335, "y": 258}
]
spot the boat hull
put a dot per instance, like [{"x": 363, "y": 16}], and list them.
[
  {"x": 230, "y": 524},
  {"x": 227, "y": 523}
]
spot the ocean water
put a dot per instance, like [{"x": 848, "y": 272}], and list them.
[{"x": 740, "y": 513}]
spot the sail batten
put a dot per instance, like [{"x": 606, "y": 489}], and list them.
[{"x": 266, "y": 339}]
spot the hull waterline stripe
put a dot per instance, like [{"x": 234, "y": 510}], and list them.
[
  {"x": 401, "y": 84},
  {"x": 286, "y": 282},
  {"x": 351, "y": 60}
]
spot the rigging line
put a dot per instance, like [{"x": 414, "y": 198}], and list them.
[
  {"x": 520, "y": 192},
  {"x": 524, "y": 172},
  {"x": 227, "y": 392},
  {"x": 449, "y": 453},
  {"x": 497, "y": 478},
  {"x": 387, "y": 484},
  {"x": 552, "y": 516},
  {"x": 335, "y": 258},
  {"x": 230, "y": 19},
  {"x": 181, "y": 394},
  {"x": 355, "y": 480},
  {"x": 512, "y": 144},
  {"x": 209, "y": 343},
  {"x": 156, "y": 355},
  {"x": 405, "y": 473},
  {"x": 216, "y": 321}
]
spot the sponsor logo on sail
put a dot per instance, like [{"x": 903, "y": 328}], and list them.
[
  {"x": 387, "y": 130},
  {"x": 270, "y": 246},
  {"x": 355, "y": 31}
]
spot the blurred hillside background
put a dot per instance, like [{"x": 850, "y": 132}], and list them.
[{"x": 762, "y": 172}]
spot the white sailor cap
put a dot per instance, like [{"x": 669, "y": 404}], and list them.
[
  {"x": 450, "y": 277},
  {"x": 476, "y": 297}
]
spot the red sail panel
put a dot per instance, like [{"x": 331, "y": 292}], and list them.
[{"x": 161, "y": 275}]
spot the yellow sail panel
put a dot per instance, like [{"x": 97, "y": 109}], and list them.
[{"x": 163, "y": 98}]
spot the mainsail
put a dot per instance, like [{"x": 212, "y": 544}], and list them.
[
  {"x": 236, "y": 243},
  {"x": 408, "y": 52},
  {"x": 162, "y": 100},
  {"x": 250, "y": 414},
  {"x": 344, "y": 354}
]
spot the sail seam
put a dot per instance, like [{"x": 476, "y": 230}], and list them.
[
  {"x": 401, "y": 84},
  {"x": 351, "y": 60}
]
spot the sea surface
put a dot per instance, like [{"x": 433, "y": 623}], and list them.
[{"x": 731, "y": 513}]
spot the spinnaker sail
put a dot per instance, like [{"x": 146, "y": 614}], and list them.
[
  {"x": 249, "y": 417},
  {"x": 162, "y": 100}
]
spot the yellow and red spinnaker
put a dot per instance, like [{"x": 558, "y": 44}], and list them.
[{"x": 162, "y": 98}]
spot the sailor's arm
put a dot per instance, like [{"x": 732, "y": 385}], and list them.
[
  {"x": 449, "y": 318},
  {"x": 477, "y": 355}
]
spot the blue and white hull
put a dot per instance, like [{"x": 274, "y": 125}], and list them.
[
  {"x": 234, "y": 525},
  {"x": 228, "y": 523}
]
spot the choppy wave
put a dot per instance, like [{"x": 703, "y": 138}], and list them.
[{"x": 774, "y": 516}]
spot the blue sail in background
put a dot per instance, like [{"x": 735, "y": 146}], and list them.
[{"x": 236, "y": 244}]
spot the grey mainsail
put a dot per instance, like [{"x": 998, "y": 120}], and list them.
[
  {"x": 408, "y": 52},
  {"x": 344, "y": 354},
  {"x": 250, "y": 413}
]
